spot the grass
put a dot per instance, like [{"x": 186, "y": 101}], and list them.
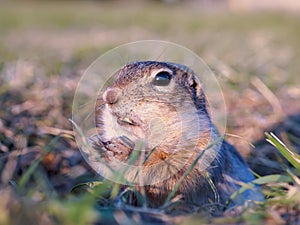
[
  {"x": 45, "y": 46},
  {"x": 90, "y": 201}
]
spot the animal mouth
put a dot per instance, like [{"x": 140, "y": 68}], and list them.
[
  {"x": 125, "y": 121},
  {"x": 130, "y": 122},
  {"x": 134, "y": 125}
]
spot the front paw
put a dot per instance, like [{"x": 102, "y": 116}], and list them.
[{"x": 120, "y": 147}]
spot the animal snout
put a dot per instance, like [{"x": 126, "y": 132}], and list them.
[{"x": 111, "y": 95}]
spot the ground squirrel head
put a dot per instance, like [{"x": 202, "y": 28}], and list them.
[{"x": 160, "y": 103}]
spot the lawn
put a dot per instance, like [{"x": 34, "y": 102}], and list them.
[{"x": 45, "y": 47}]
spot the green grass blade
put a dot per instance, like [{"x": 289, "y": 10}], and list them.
[
  {"x": 143, "y": 163},
  {"x": 86, "y": 144},
  {"x": 172, "y": 194},
  {"x": 292, "y": 157},
  {"x": 276, "y": 178},
  {"x": 24, "y": 179},
  {"x": 243, "y": 188},
  {"x": 213, "y": 187}
]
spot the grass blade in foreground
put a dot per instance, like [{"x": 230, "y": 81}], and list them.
[
  {"x": 292, "y": 157},
  {"x": 171, "y": 195},
  {"x": 24, "y": 179}
]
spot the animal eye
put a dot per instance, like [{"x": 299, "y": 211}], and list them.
[{"x": 162, "y": 79}]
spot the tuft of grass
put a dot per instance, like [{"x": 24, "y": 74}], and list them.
[
  {"x": 281, "y": 190},
  {"x": 289, "y": 155}
]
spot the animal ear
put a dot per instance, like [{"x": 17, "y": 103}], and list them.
[
  {"x": 196, "y": 90},
  {"x": 194, "y": 84}
]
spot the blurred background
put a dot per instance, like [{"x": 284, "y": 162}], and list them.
[{"x": 252, "y": 46}]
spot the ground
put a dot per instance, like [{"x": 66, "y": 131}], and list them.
[{"x": 46, "y": 46}]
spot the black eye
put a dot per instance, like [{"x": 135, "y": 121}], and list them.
[{"x": 162, "y": 79}]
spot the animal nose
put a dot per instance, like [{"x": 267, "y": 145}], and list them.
[{"x": 111, "y": 95}]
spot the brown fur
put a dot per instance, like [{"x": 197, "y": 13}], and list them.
[{"x": 174, "y": 122}]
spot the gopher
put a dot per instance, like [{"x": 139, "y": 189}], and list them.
[{"x": 163, "y": 106}]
